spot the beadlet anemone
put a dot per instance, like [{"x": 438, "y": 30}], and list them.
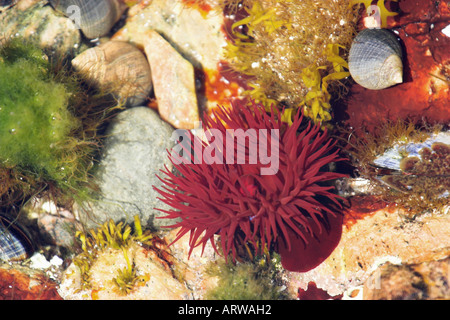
[{"x": 291, "y": 211}]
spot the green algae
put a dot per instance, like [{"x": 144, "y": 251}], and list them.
[
  {"x": 259, "y": 279},
  {"x": 43, "y": 144}
]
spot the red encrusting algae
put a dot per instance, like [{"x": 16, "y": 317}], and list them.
[
  {"x": 314, "y": 293},
  {"x": 361, "y": 207},
  {"x": 424, "y": 94},
  {"x": 16, "y": 285}
]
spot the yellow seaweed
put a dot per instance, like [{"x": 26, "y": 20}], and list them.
[{"x": 284, "y": 48}]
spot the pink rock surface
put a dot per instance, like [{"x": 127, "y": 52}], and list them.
[{"x": 174, "y": 82}]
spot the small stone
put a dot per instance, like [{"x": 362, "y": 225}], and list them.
[
  {"x": 446, "y": 31},
  {"x": 135, "y": 151},
  {"x": 36, "y": 21},
  {"x": 38, "y": 261},
  {"x": 56, "y": 225},
  {"x": 196, "y": 29},
  {"x": 174, "y": 82},
  {"x": 56, "y": 261}
]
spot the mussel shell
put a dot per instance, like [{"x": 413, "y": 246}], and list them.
[
  {"x": 392, "y": 157},
  {"x": 375, "y": 59},
  {"x": 94, "y": 17},
  {"x": 15, "y": 242}
]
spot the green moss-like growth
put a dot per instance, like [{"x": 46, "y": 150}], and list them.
[
  {"x": 34, "y": 120},
  {"x": 45, "y": 145},
  {"x": 258, "y": 280}
]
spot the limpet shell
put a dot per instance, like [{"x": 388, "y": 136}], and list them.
[{"x": 375, "y": 59}]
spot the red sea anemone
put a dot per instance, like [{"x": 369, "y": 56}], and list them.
[{"x": 235, "y": 200}]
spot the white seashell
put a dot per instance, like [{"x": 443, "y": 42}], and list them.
[
  {"x": 95, "y": 18},
  {"x": 375, "y": 59},
  {"x": 118, "y": 68}
]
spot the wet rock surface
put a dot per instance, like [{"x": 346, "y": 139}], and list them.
[
  {"x": 157, "y": 281},
  {"x": 37, "y": 21},
  {"x": 197, "y": 35},
  {"x": 424, "y": 281},
  {"x": 134, "y": 152},
  {"x": 373, "y": 238},
  {"x": 176, "y": 276},
  {"x": 170, "y": 70}
]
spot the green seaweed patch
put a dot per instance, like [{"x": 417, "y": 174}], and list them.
[
  {"x": 257, "y": 279},
  {"x": 48, "y": 127}
]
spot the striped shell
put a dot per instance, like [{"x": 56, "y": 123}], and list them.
[
  {"x": 95, "y": 18},
  {"x": 375, "y": 59},
  {"x": 15, "y": 242},
  {"x": 118, "y": 68}
]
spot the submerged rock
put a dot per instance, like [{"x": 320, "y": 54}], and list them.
[
  {"x": 156, "y": 280},
  {"x": 118, "y": 263},
  {"x": 36, "y": 21},
  {"x": 196, "y": 34},
  {"x": 174, "y": 83},
  {"x": 134, "y": 152},
  {"x": 371, "y": 238},
  {"x": 424, "y": 281}
]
